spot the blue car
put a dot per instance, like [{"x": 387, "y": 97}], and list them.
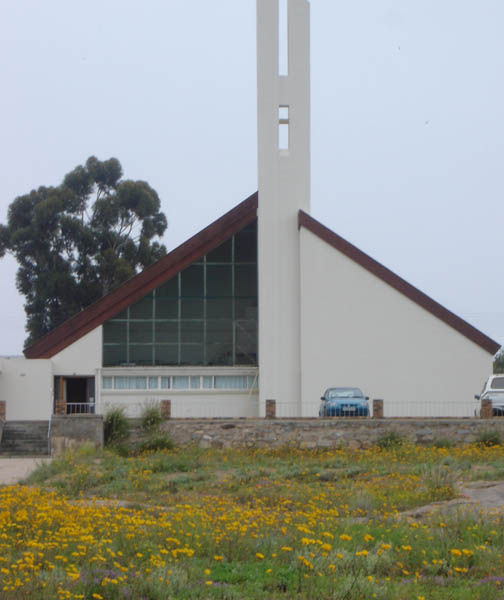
[{"x": 344, "y": 402}]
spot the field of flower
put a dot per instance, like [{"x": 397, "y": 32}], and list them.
[{"x": 237, "y": 524}]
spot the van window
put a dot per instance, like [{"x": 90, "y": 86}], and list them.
[{"x": 497, "y": 383}]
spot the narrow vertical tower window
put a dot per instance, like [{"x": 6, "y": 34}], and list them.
[
  {"x": 283, "y": 127},
  {"x": 283, "y": 37}
]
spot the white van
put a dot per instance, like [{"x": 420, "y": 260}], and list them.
[{"x": 494, "y": 390}]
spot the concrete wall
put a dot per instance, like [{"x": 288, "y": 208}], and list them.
[
  {"x": 27, "y": 387},
  {"x": 284, "y": 188},
  {"x": 323, "y": 433},
  {"x": 83, "y": 357},
  {"x": 67, "y": 432},
  {"x": 358, "y": 331}
]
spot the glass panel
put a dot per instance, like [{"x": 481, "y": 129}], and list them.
[
  {"x": 114, "y": 332},
  {"x": 107, "y": 383},
  {"x": 165, "y": 383},
  {"x": 219, "y": 331},
  {"x": 114, "y": 355},
  {"x": 141, "y": 355},
  {"x": 195, "y": 383},
  {"x": 497, "y": 383},
  {"x": 169, "y": 289},
  {"x": 252, "y": 382},
  {"x": 192, "y": 308},
  {"x": 246, "y": 245},
  {"x": 122, "y": 315},
  {"x": 121, "y": 383},
  {"x": 166, "y": 308},
  {"x": 219, "y": 354},
  {"x": 191, "y": 332},
  {"x": 140, "y": 332},
  {"x": 246, "y": 280},
  {"x": 246, "y": 343},
  {"x": 191, "y": 354},
  {"x": 192, "y": 281},
  {"x": 166, "y": 354},
  {"x": 230, "y": 382},
  {"x": 222, "y": 253},
  {"x": 153, "y": 383},
  {"x": 180, "y": 382},
  {"x": 207, "y": 382},
  {"x": 166, "y": 332},
  {"x": 219, "y": 280},
  {"x": 220, "y": 308},
  {"x": 246, "y": 308},
  {"x": 142, "y": 309},
  {"x": 149, "y": 333},
  {"x": 138, "y": 383}
]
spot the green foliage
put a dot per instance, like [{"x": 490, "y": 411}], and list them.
[
  {"x": 392, "y": 439},
  {"x": 498, "y": 365},
  {"x": 116, "y": 426},
  {"x": 489, "y": 438},
  {"x": 443, "y": 443},
  {"x": 156, "y": 443},
  {"x": 77, "y": 241},
  {"x": 150, "y": 417}
]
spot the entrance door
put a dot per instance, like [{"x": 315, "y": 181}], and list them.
[{"x": 77, "y": 392}]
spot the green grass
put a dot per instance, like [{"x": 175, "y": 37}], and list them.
[{"x": 258, "y": 524}]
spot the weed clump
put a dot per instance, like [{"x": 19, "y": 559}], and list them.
[
  {"x": 150, "y": 418},
  {"x": 390, "y": 440},
  {"x": 489, "y": 438},
  {"x": 116, "y": 426}
]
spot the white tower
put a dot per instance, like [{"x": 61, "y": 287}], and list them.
[{"x": 283, "y": 107}]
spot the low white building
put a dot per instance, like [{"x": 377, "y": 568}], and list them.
[{"x": 264, "y": 303}]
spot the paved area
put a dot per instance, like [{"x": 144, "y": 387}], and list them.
[{"x": 14, "y": 469}]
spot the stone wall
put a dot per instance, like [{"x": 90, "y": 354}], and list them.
[
  {"x": 70, "y": 431},
  {"x": 321, "y": 433}
]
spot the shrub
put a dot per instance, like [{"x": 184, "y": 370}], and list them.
[
  {"x": 116, "y": 426},
  {"x": 489, "y": 438},
  {"x": 156, "y": 443},
  {"x": 391, "y": 439},
  {"x": 443, "y": 443},
  {"x": 150, "y": 418}
]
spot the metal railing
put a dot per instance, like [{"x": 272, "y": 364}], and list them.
[{"x": 80, "y": 408}]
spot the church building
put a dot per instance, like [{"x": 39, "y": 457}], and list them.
[{"x": 264, "y": 303}]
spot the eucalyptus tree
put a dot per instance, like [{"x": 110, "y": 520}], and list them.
[{"x": 77, "y": 241}]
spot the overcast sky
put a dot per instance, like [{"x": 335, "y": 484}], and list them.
[{"x": 407, "y": 125}]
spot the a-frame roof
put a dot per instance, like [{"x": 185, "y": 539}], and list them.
[
  {"x": 140, "y": 285},
  {"x": 399, "y": 284},
  {"x": 208, "y": 239}
]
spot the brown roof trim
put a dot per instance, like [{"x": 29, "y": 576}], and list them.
[
  {"x": 136, "y": 287},
  {"x": 402, "y": 286}
]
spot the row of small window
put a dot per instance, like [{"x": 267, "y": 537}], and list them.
[{"x": 180, "y": 382}]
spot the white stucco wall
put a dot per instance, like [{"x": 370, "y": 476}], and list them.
[
  {"x": 27, "y": 387},
  {"x": 83, "y": 357},
  {"x": 358, "y": 331},
  {"x": 185, "y": 404}
]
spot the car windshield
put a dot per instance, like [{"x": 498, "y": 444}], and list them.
[
  {"x": 335, "y": 393},
  {"x": 497, "y": 383}
]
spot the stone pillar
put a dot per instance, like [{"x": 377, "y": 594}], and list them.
[
  {"x": 166, "y": 409},
  {"x": 377, "y": 408},
  {"x": 3, "y": 410},
  {"x": 270, "y": 409},
  {"x": 486, "y": 409}
]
